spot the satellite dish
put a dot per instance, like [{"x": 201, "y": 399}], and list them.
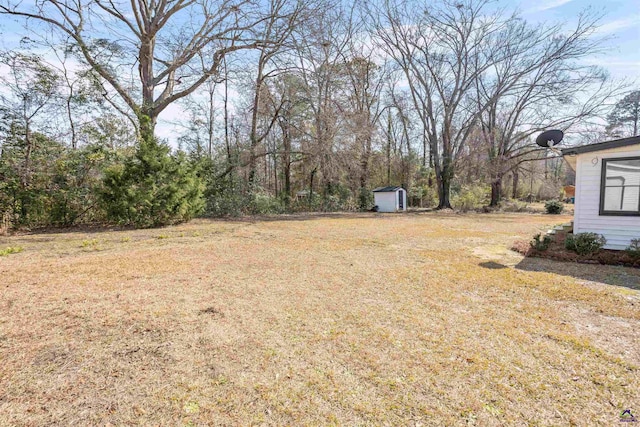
[{"x": 550, "y": 138}]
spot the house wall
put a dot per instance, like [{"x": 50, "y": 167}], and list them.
[
  {"x": 386, "y": 202},
  {"x": 618, "y": 230}
]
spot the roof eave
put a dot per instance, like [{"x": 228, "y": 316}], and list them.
[
  {"x": 388, "y": 189},
  {"x": 601, "y": 146},
  {"x": 571, "y": 160}
]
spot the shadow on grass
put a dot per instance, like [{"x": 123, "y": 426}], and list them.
[
  {"x": 491, "y": 265},
  {"x": 628, "y": 277},
  {"x": 447, "y": 215},
  {"x": 301, "y": 216},
  {"x": 308, "y": 216},
  {"x": 83, "y": 228}
]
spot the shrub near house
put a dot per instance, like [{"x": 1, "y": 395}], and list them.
[
  {"x": 585, "y": 243},
  {"x": 581, "y": 247},
  {"x": 634, "y": 248}
]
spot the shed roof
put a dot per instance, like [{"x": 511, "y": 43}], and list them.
[
  {"x": 600, "y": 146},
  {"x": 389, "y": 189}
]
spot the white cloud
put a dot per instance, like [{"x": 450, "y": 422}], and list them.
[
  {"x": 547, "y": 5},
  {"x": 619, "y": 24},
  {"x": 619, "y": 67}
]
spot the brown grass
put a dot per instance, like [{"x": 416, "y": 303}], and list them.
[{"x": 424, "y": 319}]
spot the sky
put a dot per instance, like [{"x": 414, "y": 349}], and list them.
[{"x": 620, "y": 25}]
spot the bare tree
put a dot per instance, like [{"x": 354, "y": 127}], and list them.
[
  {"x": 268, "y": 67},
  {"x": 540, "y": 84},
  {"x": 202, "y": 109},
  {"x": 365, "y": 84},
  {"x": 286, "y": 96},
  {"x": 401, "y": 103},
  {"x": 441, "y": 50},
  {"x": 320, "y": 45},
  {"x": 164, "y": 39},
  {"x": 467, "y": 65}
]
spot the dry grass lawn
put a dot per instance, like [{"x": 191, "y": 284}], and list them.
[{"x": 418, "y": 319}]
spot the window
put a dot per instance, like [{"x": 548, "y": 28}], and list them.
[{"x": 620, "y": 187}]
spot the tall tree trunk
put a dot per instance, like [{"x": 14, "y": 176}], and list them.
[
  {"x": 286, "y": 159},
  {"x": 211, "y": 124},
  {"x": 444, "y": 192},
  {"x": 364, "y": 163},
  {"x": 147, "y": 116},
  {"x": 287, "y": 182},
  {"x": 424, "y": 150},
  {"x": 313, "y": 174},
  {"x": 322, "y": 137},
  {"x": 253, "y": 134},
  {"x": 226, "y": 110},
  {"x": 25, "y": 180},
  {"x": 516, "y": 178},
  {"x": 275, "y": 174},
  {"x": 267, "y": 173},
  {"x": 496, "y": 191},
  {"x": 389, "y": 140},
  {"x": 446, "y": 173},
  {"x": 444, "y": 183},
  {"x": 430, "y": 180},
  {"x": 26, "y": 173},
  {"x": 72, "y": 125}
]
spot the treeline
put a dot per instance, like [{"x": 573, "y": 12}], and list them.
[{"x": 286, "y": 106}]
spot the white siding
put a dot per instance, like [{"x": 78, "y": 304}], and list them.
[
  {"x": 618, "y": 230},
  {"x": 388, "y": 201}
]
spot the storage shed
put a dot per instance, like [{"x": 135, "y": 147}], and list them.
[
  {"x": 390, "y": 199},
  {"x": 607, "y": 199}
]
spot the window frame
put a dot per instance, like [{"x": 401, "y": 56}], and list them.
[{"x": 603, "y": 181}]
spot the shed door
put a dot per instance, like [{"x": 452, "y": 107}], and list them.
[{"x": 400, "y": 200}]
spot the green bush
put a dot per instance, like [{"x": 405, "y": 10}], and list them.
[
  {"x": 540, "y": 243},
  {"x": 585, "y": 243},
  {"x": 470, "y": 197},
  {"x": 365, "y": 199},
  {"x": 430, "y": 198},
  {"x": 225, "y": 195},
  {"x": 554, "y": 207},
  {"x": 265, "y": 204},
  {"x": 58, "y": 188},
  {"x": 338, "y": 197},
  {"x": 230, "y": 195},
  {"x": 76, "y": 182},
  {"x": 152, "y": 188},
  {"x": 424, "y": 196},
  {"x": 308, "y": 203},
  {"x": 634, "y": 248}
]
